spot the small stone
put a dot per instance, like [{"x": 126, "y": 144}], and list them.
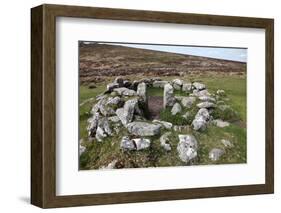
[
  {"x": 111, "y": 165},
  {"x": 119, "y": 80},
  {"x": 227, "y": 143},
  {"x": 187, "y": 148},
  {"x": 141, "y": 143},
  {"x": 220, "y": 123},
  {"x": 199, "y": 86},
  {"x": 186, "y": 87},
  {"x": 188, "y": 101},
  {"x": 114, "y": 119},
  {"x": 126, "y": 114},
  {"x": 220, "y": 92},
  {"x": 125, "y": 91},
  {"x": 159, "y": 84},
  {"x": 201, "y": 119},
  {"x": 164, "y": 141},
  {"x": 92, "y": 86},
  {"x": 177, "y": 84},
  {"x": 215, "y": 154},
  {"x": 82, "y": 149},
  {"x": 207, "y": 98},
  {"x": 181, "y": 128},
  {"x": 206, "y": 104},
  {"x": 103, "y": 129},
  {"x": 127, "y": 144},
  {"x": 176, "y": 109},
  {"x": 111, "y": 86},
  {"x": 167, "y": 125}
]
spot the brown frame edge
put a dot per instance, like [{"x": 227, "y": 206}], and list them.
[{"x": 43, "y": 105}]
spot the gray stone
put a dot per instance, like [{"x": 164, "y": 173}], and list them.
[
  {"x": 227, "y": 143},
  {"x": 177, "y": 84},
  {"x": 199, "y": 86},
  {"x": 125, "y": 91},
  {"x": 127, "y": 144},
  {"x": 93, "y": 124},
  {"x": 141, "y": 143},
  {"x": 164, "y": 141},
  {"x": 126, "y": 114},
  {"x": 181, "y": 128},
  {"x": 186, "y": 87},
  {"x": 186, "y": 115},
  {"x": 114, "y": 119},
  {"x": 187, "y": 148},
  {"x": 115, "y": 101},
  {"x": 220, "y": 123},
  {"x": 159, "y": 84},
  {"x": 207, "y": 98},
  {"x": 140, "y": 128},
  {"x": 103, "y": 129},
  {"x": 176, "y": 109},
  {"x": 201, "y": 120},
  {"x": 142, "y": 92},
  {"x": 203, "y": 113},
  {"x": 215, "y": 154},
  {"x": 206, "y": 104},
  {"x": 220, "y": 92},
  {"x": 165, "y": 124},
  {"x": 188, "y": 101},
  {"x": 127, "y": 83},
  {"x": 168, "y": 97},
  {"x": 82, "y": 149}
]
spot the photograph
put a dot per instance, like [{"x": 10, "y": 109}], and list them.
[{"x": 161, "y": 105}]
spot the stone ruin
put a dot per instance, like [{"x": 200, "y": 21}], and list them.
[{"x": 124, "y": 105}]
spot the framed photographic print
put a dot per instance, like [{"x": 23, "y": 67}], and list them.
[{"x": 137, "y": 106}]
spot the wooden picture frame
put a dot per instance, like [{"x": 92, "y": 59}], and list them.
[{"x": 43, "y": 106}]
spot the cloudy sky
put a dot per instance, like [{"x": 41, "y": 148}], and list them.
[{"x": 234, "y": 54}]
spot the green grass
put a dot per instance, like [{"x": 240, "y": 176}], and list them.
[{"x": 101, "y": 154}]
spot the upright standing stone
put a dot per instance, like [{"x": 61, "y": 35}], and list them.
[
  {"x": 168, "y": 98},
  {"x": 142, "y": 92}
]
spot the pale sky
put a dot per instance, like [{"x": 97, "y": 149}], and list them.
[{"x": 234, "y": 54}]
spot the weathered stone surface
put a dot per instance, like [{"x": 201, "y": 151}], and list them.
[
  {"x": 127, "y": 83},
  {"x": 141, "y": 143},
  {"x": 103, "y": 129},
  {"x": 215, "y": 154},
  {"x": 176, "y": 109},
  {"x": 199, "y": 86},
  {"x": 114, "y": 119},
  {"x": 188, "y": 101},
  {"x": 139, "y": 128},
  {"x": 125, "y": 91},
  {"x": 93, "y": 124},
  {"x": 177, "y": 84},
  {"x": 220, "y": 123},
  {"x": 126, "y": 114},
  {"x": 142, "y": 92},
  {"x": 201, "y": 119},
  {"x": 187, "y": 148},
  {"x": 207, "y": 98},
  {"x": 186, "y": 87},
  {"x": 120, "y": 81},
  {"x": 164, "y": 141},
  {"x": 186, "y": 115},
  {"x": 114, "y": 101},
  {"x": 159, "y": 84},
  {"x": 82, "y": 149},
  {"x": 168, "y": 97},
  {"x": 127, "y": 144},
  {"x": 227, "y": 143},
  {"x": 165, "y": 124},
  {"x": 206, "y": 104},
  {"x": 111, "y": 86},
  {"x": 181, "y": 128}
]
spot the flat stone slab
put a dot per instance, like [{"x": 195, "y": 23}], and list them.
[{"x": 143, "y": 128}]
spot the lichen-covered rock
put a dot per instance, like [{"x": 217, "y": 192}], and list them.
[
  {"x": 177, "y": 84},
  {"x": 206, "y": 104},
  {"x": 114, "y": 119},
  {"x": 176, "y": 109},
  {"x": 93, "y": 124},
  {"x": 127, "y": 144},
  {"x": 159, "y": 84},
  {"x": 125, "y": 91},
  {"x": 188, "y": 101},
  {"x": 103, "y": 129},
  {"x": 207, "y": 98},
  {"x": 126, "y": 114},
  {"x": 165, "y": 124},
  {"x": 168, "y": 97},
  {"x": 215, "y": 154},
  {"x": 141, "y": 143},
  {"x": 164, "y": 141},
  {"x": 220, "y": 92},
  {"x": 201, "y": 120},
  {"x": 199, "y": 86},
  {"x": 114, "y": 101},
  {"x": 187, "y": 148},
  {"x": 186, "y": 87},
  {"x": 82, "y": 149},
  {"x": 142, "y": 92},
  {"x": 139, "y": 128},
  {"x": 220, "y": 123},
  {"x": 181, "y": 128}
]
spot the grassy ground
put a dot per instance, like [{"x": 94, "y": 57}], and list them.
[{"x": 101, "y": 154}]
